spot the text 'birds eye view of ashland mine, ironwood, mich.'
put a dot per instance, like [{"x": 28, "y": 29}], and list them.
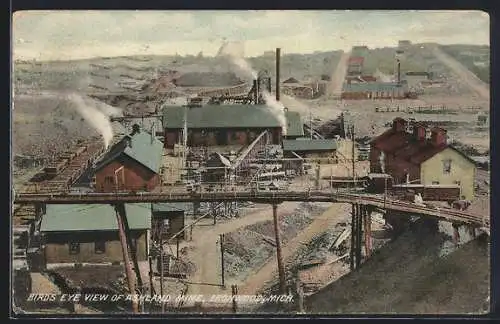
[{"x": 250, "y": 162}]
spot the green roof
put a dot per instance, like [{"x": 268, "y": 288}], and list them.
[
  {"x": 141, "y": 147},
  {"x": 301, "y": 145},
  {"x": 61, "y": 218},
  {"x": 220, "y": 116},
  {"x": 169, "y": 207},
  {"x": 294, "y": 124}
]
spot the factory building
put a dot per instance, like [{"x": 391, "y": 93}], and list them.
[
  {"x": 415, "y": 78},
  {"x": 89, "y": 233},
  {"x": 374, "y": 90},
  {"x": 411, "y": 153},
  {"x": 220, "y": 125},
  {"x": 131, "y": 164}
]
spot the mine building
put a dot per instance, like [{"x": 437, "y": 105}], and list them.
[
  {"x": 131, "y": 164},
  {"x": 168, "y": 220},
  {"x": 413, "y": 154},
  {"x": 310, "y": 148},
  {"x": 375, "y": 90},
  {"x": 220, "y": 125},
  {"x": 89, "y": 233}
]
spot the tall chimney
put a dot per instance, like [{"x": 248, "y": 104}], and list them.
[
  {"x": 278, "y": 54},
  {"x": 255, "y": 91},
  {"x": 399, "y": 71}
]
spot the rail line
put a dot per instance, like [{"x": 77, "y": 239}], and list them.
[{"x": 253, "y": 196}]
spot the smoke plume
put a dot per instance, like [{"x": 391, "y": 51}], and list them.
[
  {"x": 98, "y": 119},
  {"x": 277, "y": 109},
  {"x": 382, "y": 76},
  {"x": 234, "y": 51}
]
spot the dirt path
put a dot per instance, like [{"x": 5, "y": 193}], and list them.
[
  {"x": 335, "y": 214},
  {"x": 206, "y": 255},
  {"x": 337, "y": 78},
  {"x": 462, "y": 72}
]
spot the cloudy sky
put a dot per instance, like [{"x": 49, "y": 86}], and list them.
[{"x": 82, "y": 34}]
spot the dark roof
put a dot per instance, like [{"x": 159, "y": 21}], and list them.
[
  {"x": 61, "y": 218},
  {"x": 207, "y": 79},
  {"x": 220, "y": 116},
  {"x": 291, "y": 80},
  {"x": 302, "y": 145},
  {"x": 142, "y": 147}
]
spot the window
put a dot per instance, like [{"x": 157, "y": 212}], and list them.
[
  {"x": 447, "y": 166},
  {"x": 457, "y": 182},
  {"x": 435, "y": 182},
  {"x": 108, "y": 179},
  {"x": 99, "y": 247},
  {"x": 74, "y": 248}
]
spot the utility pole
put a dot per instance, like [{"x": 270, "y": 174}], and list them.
[
  {"x": 281, "y": 269},
  {"x": 221, "y": 239},
  {"x": 352, "y": 153},
  {"x": 161, "y": 266},
  {"x": 120, "y": 212}
]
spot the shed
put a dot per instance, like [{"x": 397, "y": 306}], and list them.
[{"x": 89, "y": 233}]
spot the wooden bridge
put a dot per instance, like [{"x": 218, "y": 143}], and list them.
[{"x": 272, "y": 197}]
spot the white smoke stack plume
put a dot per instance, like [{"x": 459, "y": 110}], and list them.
[
  {"x": 382, "y": 76},
  {"x": 277, "y": 110},
  {"x": 95, "y": 117},
  {"x": 234, "y": 51}
]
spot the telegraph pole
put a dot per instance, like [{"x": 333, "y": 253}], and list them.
[{"x": 352, "y": 153}]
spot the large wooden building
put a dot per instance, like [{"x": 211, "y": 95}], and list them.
[
  {"x": 89, "y": 233},
  {"x": 375, "y": 90},
  {"x": 410, "y": 152},
  {"x": 131, "y": 164},
  {"x": 220, "y": 125}
]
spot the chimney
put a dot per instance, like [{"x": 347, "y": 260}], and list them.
[
  {"x": 255, "y": 91},
  {"x": 278, "y": 54},
  {"x": 418, "y": 132},
  {"x": 399, "y": 124},
  {"x": 399, "y": 71},
  {"x": 438, "y": 136}
]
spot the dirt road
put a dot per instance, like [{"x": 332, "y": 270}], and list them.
[
  {"x": 206, "y": 254},
  {"x": 462, "y": 72},
  {"x": 338, "y": 76},
  {"x": 335, "y": 214}
]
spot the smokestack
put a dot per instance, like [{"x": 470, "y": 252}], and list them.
[
  {"x": 255, "y": 91},
  {"x": 399, "y": 71},
  {"x": 278, "y": 54}
]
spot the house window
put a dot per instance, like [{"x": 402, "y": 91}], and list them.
[
  {"x": 447, "y": 166},
  {"x": 108, "y": 179},
  {"x": 457, "y": 183},
  {"x": 74, "y": 248},
  {"x": 99, "y": 247}
]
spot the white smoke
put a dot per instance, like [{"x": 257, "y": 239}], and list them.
[
  {"x": 277, "y": 109},
  {"x": 235, "y": 52},
  {"x": 98, "y": 119},
  {"x": 109, "y": 110}
]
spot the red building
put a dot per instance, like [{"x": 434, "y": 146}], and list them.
[
  {"x": 131, "y": 164},
  {"x": 405, "y": 146}
]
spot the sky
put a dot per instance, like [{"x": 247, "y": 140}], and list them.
[{"x": 62, "y": 35}]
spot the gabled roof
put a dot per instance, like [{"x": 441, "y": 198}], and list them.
[
  {"x": 67, "y": 218},
  {"x": 142, "y": 147},
  {"x": 302, "y": 145}
]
